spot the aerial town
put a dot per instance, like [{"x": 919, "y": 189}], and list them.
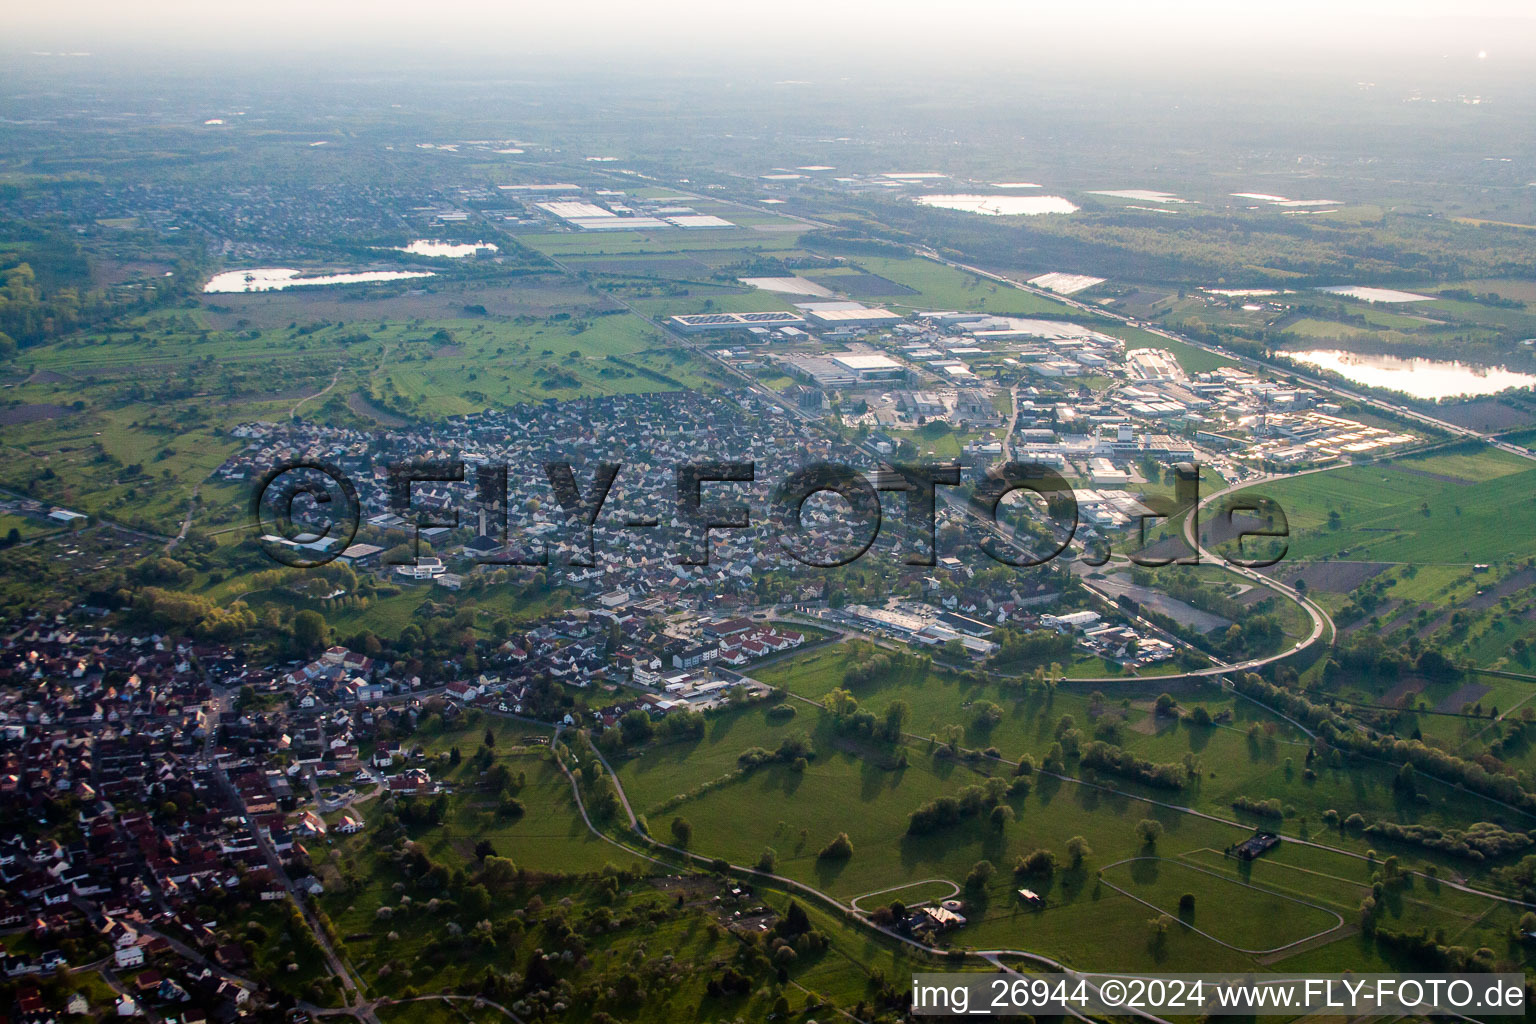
[{"x": 688, "y": 529}]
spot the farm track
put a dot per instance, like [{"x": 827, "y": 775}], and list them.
[{"x": 1339, "y": 918}]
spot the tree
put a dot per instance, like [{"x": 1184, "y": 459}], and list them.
[
  {"x": 636, "y": 726},
  {"x": 484, "y": 849},
  {"x": 310, "y": 631},
  {"x": 490, "y": 738},
  {"x": 1165, "y": 704},
  {"x": 767, "y": 860},
  {"x": 988, "y": 714},
  {"x": 1079, "y": 850},
  {"x": 795, "y": 922},
  {"x": 840, "y": 848},
  {"x": 1040, "y": 862},
  {"x": 980, "y": 874},
  {"x": 475, "y": 902},
  {"x": 896, "y": 715},
  {"x": 1148, "y": 831},
  {"x": 682, "y": 831},
  {"x": 498, "y": 873}
]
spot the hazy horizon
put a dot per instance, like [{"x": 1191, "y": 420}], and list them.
[{"x": 701, "y": 34}]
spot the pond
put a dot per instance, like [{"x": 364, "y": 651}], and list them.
[
  {"x": 452, "y": 250},
  {"x": 276, "y": 279},
  {"x": 1000, "y": 206},
  {"x": 1415, "y": 376}
]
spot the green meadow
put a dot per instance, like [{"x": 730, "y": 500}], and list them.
[
  {"x": 1464, "y": 507},
  {"x": 868, "y": 789},
  {"x": 939, "y": 286}
]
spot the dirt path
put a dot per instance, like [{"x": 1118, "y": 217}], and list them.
[{"x": 294, "y": 412}]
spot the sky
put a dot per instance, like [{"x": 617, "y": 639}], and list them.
[{"x": 857, "y": 29}]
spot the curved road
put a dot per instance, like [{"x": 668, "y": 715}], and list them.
[
  {"x": 1322, "y": 622},
  {"x": 1337, "y": 917}
]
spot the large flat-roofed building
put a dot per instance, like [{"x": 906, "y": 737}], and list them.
[
  {"x": 574, "y": 209},
  {"x": 921, "y": 403},
  {"x": 700, "y": 323},
  {"x": 845, "y": 369},
  {"x": 821, "y": 371},
  {"x": 1104, "y": 472},
  {"x": 1152, "y": 364},
  {"x": 590, "y": 217},
  {"x": 853, "y": 317},
  {"x": 870, "y": 365}
]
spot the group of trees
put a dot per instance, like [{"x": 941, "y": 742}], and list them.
[
  {"x": 637, "y": 727},
  {"x": 1106, "y": 757},
  {"x": 1366, "y": 653},
  {"x": 973, "y": 801},
  {"x": 419, "y": 813},
  {"x": 598, "y": 791},
  {"x": 191, "y": 613},
  {"x": 795, "y": 751},
  {"x": 848, "y": 718},
  {"x": 1271, "y": 808},
  {"x": 1429, "y": 952},
  {"x": 868, "y": 667},
  {"x": 1480, "y": 841},
  {"x": 1039, "y": 647}
]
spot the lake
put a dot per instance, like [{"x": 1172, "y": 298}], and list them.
[
  {"x": 452, "y": 250},
  {"x": 1000, "y": 206},
  {"x": 276, "y": 279},
  {"x": 1420, "y": 378},
  {"x": 1365, "y": 294}
]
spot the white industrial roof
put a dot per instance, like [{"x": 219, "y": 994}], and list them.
[
  {"x": 853, "y": 315},
  {"x": 573, "y": 208},
  {"x": 863, "y": 361}
]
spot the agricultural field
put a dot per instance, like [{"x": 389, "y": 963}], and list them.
[
  {"x": 1455, "y": 509},
  {"x": 476, "y": 366},
  {"x": 128, "y": 424},
  {"x": 937, "y": 286}
]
